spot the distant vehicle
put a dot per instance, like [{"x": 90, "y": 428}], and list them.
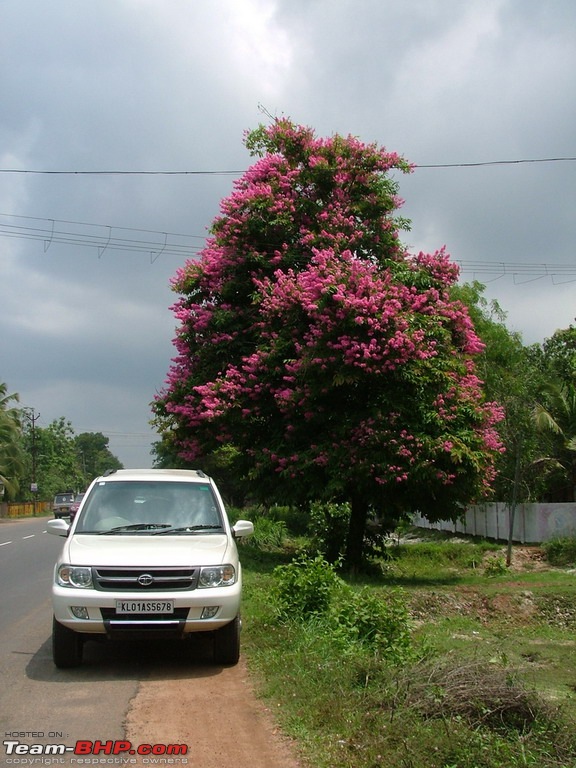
[
  {"x": 75, "y": 506},
  {"x": 62, "y": 504}
]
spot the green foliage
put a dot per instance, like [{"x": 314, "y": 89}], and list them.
[
  {"x": 555, "y": 418},
  {"x": 304, "y": 588},
  {"x": 94, "y": 455},
  {"x": 296, "y": 518},
  {"x": 310, "y": 589},
  {"x": 561, "y": 550},
  {"x": 559, "y": 354},
  {"x": 377, "y": 620},
  {"x": 58, "y": 460},
  {"x": 328, "y": 527},
  {"x": 11, "y": 453},
  {"x": 433, "y": 560},
  {"x": 268, "y": 534},
  {"x": 498, "y": 365},
  {"x": 495, "y": 566}
]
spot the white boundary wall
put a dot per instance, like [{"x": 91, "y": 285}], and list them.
[{"x": 533, "y": 523}]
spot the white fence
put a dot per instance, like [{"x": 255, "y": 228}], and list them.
[{"x": 533, "y": 523}]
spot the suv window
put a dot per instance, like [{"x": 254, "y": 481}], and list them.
[
  {"x": 142, "y": 505},
  {"x": 64, "y": 498}
]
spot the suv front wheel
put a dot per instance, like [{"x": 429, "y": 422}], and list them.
[
  {"x": 66, "y": 646},
  {"x": 227, "y": 643}
]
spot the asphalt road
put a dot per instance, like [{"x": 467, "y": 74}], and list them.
[{"x": 40, "y": 704}]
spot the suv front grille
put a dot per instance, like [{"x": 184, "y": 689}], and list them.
[
  {"x": 137, "y": 623},
  {"x": 145, "y": 579},
  {"x": 109, "y": 614}
]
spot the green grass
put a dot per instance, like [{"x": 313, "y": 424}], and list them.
[{"x": 489, "y": 682}]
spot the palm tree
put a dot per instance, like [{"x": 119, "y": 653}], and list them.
[
  {"x": 557, "y": 416},
  {"x": 11, "y": 452}
]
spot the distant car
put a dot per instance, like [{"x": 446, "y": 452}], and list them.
[
  {"x": 62, "y": 504},
  {"x": 75, "y": 506}
]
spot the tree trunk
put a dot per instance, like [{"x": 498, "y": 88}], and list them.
[{"x": 356, "y": 530}]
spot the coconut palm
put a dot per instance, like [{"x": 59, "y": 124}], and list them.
[
  {"x": 11, "y": 452},
  {"x": 556, "y": 415}
]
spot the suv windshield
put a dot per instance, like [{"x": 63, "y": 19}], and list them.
[
  {"x": 143, "y": 507},
  {"x": 64, "y": 498}
]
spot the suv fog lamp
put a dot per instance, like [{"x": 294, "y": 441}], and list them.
[
  {"x": 217, "y": 576},
  {"x": 75, "y": 576},
  {"x": 209, "y": 612},
  {"x": 79, "y": 611}
]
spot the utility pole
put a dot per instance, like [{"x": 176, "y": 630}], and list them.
[
  {"x": 33, "y": 417},
  {"x": 512, "y": 508}
]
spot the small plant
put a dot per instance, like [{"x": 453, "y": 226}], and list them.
[{"x": 495, "y": 566}]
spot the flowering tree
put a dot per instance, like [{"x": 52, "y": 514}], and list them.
[{"x": 334, "y": 363}]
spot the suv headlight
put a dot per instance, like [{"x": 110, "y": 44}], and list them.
[
  {"x": 74, "y": 576},
  {"x": 217, "y": 576}
]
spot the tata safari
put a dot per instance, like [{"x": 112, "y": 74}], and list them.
[{"x": 149, "y": 553}]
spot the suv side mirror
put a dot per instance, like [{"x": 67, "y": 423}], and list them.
[
  {"x": 57, "y": 527},
  {"x": 242, "y": 528}
]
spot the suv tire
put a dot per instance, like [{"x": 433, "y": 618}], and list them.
[
  {"x": 227, "y": 643},
  {"x": 66, "y": 646}
]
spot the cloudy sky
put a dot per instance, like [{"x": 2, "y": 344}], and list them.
[{"x": 475, "y": 92}]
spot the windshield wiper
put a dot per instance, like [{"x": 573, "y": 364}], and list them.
[
  {"x": 188, "y": 529},
  {"x": 136, "y": 527}
]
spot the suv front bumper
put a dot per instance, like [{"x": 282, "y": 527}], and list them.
[{"x": 187, "y": 616}]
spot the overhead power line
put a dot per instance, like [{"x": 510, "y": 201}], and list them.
[
  {"x": 498, "y": 162},
  {"x": 183, "y": 246},
  {"x": 519, "y": 272},
  {"x": 121, "y": 173},
  {"x": 101, "y": 237},
  {"x": 118, "y": 172}
]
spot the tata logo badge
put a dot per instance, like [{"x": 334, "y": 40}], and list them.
[{"x": 145, "y": 580}]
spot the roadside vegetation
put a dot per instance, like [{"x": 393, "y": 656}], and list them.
[{"x": 438, "y": 655}]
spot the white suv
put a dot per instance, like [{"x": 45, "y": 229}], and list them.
[{"x": 149, "y": 551}]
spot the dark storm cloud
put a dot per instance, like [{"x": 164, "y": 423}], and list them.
[{"x": 85, "y": 332}]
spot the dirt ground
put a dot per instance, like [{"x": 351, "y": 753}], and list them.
[{"x": 217, "y": 714}]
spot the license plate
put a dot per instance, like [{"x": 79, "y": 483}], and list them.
[{"x": 144, "y": 606}]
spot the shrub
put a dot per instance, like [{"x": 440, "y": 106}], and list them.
[
  {"x": 304, "y": 587},
  {"x": 309, "y": 588},
  {"x": 376, "y": 620},
  {"x": 561, "y": 551},
  {"x": 495, "y": 566}
]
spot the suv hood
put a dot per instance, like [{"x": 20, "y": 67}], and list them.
[{"x": 182, "y": 550}]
